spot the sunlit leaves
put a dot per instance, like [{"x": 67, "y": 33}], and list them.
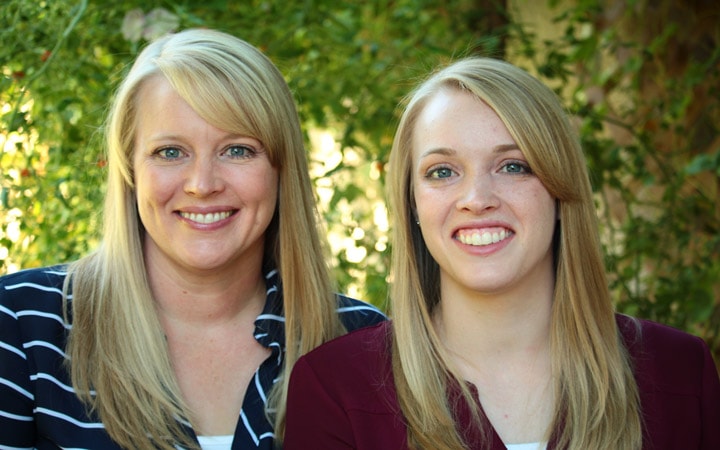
[{"x": 645, "y": 103}]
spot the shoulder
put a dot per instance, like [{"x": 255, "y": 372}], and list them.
[
  {"x": 354, "y": 368},
  {"x": 368, "y": 342},
  {"x": 26, "y": 287},
  {"x": 678, "y": 385},
  {"x": 360, "y": 354},
  {"x": 665, "y": 358},
  {"x": 44, "y": 276},
  {"x": 355, "y": 314},
  {"x": 665, "y": 344},
  {"x": 342, "y": 394},
  {"x": 33, "y": 299}
]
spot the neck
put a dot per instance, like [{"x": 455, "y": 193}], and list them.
[
  {"x": 211, "y": 298},
  {"x": 501, "y": 345},
  {"x": 496, "y": 327}
]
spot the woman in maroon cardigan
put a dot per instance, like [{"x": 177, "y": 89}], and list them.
[{"x": 503, "y": 332}]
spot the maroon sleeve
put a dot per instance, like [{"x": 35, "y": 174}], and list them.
[
  {"x": 314, "y": 419},
  {"x": 710, "y": 404},
  {"x": 679, "y": 387},
  {"x": 342, "y": 396}
]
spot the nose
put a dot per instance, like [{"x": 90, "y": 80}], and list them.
[
  {"x": 477, "y": 194},
  {"x": 203, "y": 178}
]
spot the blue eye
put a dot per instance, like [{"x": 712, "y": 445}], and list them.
[
  {"x": 516, "y": 167},
  {"x": 441, "y": 172},
  {"x": 239, "y": 151},
  {"x": 169, "y": 153}
]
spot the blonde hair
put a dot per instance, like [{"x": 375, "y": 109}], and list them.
[
  {"x": 597, "y": 405},
  {"x": 116, "y": 346}
]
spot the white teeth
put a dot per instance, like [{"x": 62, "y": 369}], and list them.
[
  {"x": 206, "y": 218},
  {"x": 484, "y": 238}
]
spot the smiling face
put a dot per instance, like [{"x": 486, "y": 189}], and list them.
[
  {"x": 486, "y": 219},
  {"x": 205, "y": 196}
]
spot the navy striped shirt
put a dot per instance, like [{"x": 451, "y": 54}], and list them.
[{"x": 38, "y": 407}]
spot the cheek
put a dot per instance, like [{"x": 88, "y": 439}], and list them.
[
  {"x": 151, "y": 186},
  {"x": 429, "y": 199},
  {"x": 420, "y": 204},
  {"x": 269, "y": 186},
  {"x": 431, "y": 205},
  {"x": 259, "y": 187},
  {"x": 270, "y": 197},
  {"x": 542, "y": 207}
]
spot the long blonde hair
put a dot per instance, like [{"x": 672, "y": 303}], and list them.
[
  {"x": 116, "y": 346},
  {"x": 597, "y": 405}
]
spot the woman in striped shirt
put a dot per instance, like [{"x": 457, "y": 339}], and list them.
[{"x": 210, "y": 281}]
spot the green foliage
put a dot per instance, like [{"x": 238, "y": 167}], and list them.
[
  {"x": 51, "y": 179},
  {"x": 348, "y": 64},
  {"x": 646, "y": 104},
  {"x": 642, "y": 101}
]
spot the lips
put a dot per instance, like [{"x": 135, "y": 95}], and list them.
[
  {"x": 481, "y": 237},
  {"x": 206, "y": 218}
]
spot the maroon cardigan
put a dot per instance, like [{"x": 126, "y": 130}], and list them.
[{"x": 342, "y": 394}]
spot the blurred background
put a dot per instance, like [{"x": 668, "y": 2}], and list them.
[{"x": 641, "y": 79}]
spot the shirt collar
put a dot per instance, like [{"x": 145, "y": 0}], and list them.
[{"x": 270, "y": 324}]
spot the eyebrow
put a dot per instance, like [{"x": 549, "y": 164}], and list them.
[
  {"x": 506, "y": 148},
  {"x": 172, "y": 136},
  {"x": 446, "y": 151}
]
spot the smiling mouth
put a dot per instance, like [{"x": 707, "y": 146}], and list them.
[
  {"x": 206, "y": 218},
  {"x": 480, "y": 238}
]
